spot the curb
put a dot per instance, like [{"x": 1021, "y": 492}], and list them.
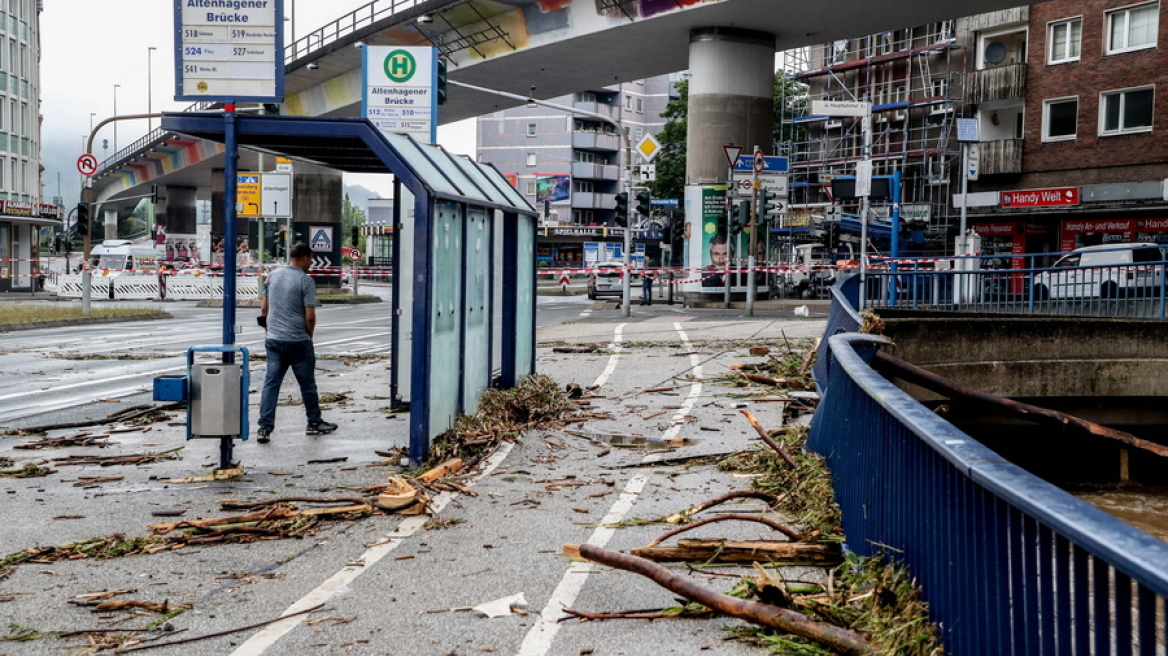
[{"x": 62, "y": 323}]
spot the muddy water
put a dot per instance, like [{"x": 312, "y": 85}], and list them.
[{"x": 1143, "y": 508}]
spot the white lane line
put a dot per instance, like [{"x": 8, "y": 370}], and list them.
[
  {"x": 538, "y": 641},
  {"x": 96, "y": 381},
  {"x": 613, "y": 359},
  {"x": 260, "y": 642}
]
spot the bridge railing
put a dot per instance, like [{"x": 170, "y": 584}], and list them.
[
  {"x": 968, "y": 284},
  {"x": 1008, "y": 563}
]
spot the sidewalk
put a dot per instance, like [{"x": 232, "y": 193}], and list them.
[{"x": 392, "y": 575}]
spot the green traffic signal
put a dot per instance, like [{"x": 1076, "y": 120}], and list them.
[
  {"x": 644, "y": 203},
  {"x": 622, "y": 209},
  {"x": 441, "y": 90}
]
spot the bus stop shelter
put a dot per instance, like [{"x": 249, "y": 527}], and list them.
[{"x": 463, "y": 311}]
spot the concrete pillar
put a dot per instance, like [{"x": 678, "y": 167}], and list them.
[
  {"x": 109, "y": 216},
  {"x": 177, "y": 210},
  {"x": 731, "y": 102}
]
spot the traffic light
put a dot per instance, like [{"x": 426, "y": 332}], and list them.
[
  {"x": 766, "y": 203},
  {"x": 678, "y": 230},
  {"x": 441, "y": 90},
  {"x": 740, "y": 217},
  {"x": 82, "y": 225},
  {"x": 622, "y": 209},
  {"x": 644, "y": 203},
  {"x": 355, "y": 235}
]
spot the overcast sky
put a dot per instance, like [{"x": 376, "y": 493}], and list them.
[{"x": 88, "y": 46}]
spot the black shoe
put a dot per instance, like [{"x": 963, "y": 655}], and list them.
[
  {"x": 319, "y": 428},
  {"x": 264, "y": 435}
]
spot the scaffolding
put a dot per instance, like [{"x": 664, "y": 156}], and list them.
[{"x": 914, "y": 79}]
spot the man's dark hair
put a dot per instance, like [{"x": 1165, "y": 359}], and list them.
[
  {"x": 300, "y": 250},
  {"x": 717, "y": 238}
]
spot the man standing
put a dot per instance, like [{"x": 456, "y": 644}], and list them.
[{"x": 288, "y": 315}]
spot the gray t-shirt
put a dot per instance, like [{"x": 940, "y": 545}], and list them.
[{"x": 289, "y": 290}]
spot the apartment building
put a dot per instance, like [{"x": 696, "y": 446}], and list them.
[{"x": 570, "y": 166}]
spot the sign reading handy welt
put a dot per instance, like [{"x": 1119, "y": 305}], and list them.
[
  {"x": 399, "y": 90},
  {"x": 229, "y": 50}
]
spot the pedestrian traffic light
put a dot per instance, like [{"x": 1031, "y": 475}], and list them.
[
  {"x": 766, "y": 203},
  {"x": 622, "y": 209},
  {"x": 441, "y": 90},
  {"x": 82, "y": 224},
  {"x": 644, "y": 203},
  {"x": 740, "y": 217}
]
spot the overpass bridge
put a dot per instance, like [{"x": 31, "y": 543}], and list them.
[{"x": 540, "y": 48}]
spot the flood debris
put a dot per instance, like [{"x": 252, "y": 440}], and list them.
[
  {"x": 110, "y": 461},
  {"x": 28, "y": 470},
  {"x": 579, "y": 348},
  {"x": 77, "y": 439},
  {"x": 215, "y": 475},
  {"x": 125, "y": 415},
  {"x": 743, "y": 551},
  {"x": 514, "y": 604}
]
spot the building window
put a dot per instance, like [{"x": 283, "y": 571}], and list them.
[
  {"x": 1065, "y": 38},
  {"x": 1129, "y": 110},
  {"x": 836, "y": 52},
  {"x": 531, "y": 129},
  {"x": 640, "y": 105},
  {"x": 628, "y": 101},
  {"x": 1059, "y": 119},
  {"x": 1132, "y": 28},
  {"x": 531, "y": 159},
  {"x": 530, "y": 188},
  {"x": 583, "y": 186},
  {"x": 640, "y": 133}
]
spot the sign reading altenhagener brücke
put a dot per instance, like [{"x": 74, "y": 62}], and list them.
[{"x": 229, "y": 50}]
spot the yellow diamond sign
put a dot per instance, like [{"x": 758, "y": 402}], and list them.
[{"x": 648, "y": 146}]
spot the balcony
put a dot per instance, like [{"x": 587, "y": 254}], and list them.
[
  {"x": 605, "y": 109},
  {"x": 596, "y": 141},
  {"x": 591, "y": 200},
  {"x": 590, "y": 171},
  {"x": 998, "y": 83},
  {"x": 997, "y": 157}
]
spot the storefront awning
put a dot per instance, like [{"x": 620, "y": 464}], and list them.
[{"x": 31, "y": 220}]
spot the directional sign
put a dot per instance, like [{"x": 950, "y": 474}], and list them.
[
  {"x": 229, "y": 51},
  {"x": 321, "y": 261},
  {"x": 399, "y": 94},
  {"x": 839, "y": 108},
  {"x": 645, "y": 173},
  {"x": 276, "y": 195},
  {"x": 974, "y": 159},
  {"x": 773, "y": 182},
  {"x": 247, "y": 194},
  {"x": 87, "y": 164},
  {"x": 770, "y": 165}
]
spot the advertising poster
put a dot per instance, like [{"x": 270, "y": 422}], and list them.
[
  {"x": 717, "y": 253},
  {"x": 553, "y": 188}
]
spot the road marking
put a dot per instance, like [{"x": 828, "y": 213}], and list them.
[
  {"x": 261, "y": 641},
  {"x": 613, "y": 359},
  {"x": 538, "y": 641}
]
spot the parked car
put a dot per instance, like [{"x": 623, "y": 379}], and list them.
[
  {"x": 1106, "y": 271},
  {"x": 606, "y": 280}
]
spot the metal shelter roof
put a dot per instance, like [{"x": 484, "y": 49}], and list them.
[{"x": 355, "y": 146}]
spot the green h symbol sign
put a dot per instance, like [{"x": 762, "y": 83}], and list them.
[{"x": 400, "y": 66}]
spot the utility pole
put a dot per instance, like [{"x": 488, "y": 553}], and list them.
[
  {"x": 750, "y": 263},
  {"x": 628, "y": 177}
]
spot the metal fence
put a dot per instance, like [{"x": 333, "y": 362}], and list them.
[
  {"x": 1009, "y": 564},
  {"x": 147, "y": 286},
  {"x": 968, "y": 284}
]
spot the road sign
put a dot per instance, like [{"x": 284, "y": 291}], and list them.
[
  {"x": 731, "y": 153},
  {"x": 321, "y": 261},
  {"x": 772, "y": 164},
  {"x": 1041, "y": 197},
  {"x": 863, "y": 178},
  {"x": 648, "y": 147},
  {"x": 645, "y": 173},
  {"x": 399, "y": 89},
  {"x": 353, "y": 254},
  {"x": 229, "y": 51},
  {"x": 276, "y": 195},
  {"x": 839, "y": 108},
  {"x": 759, "y": 161},
  {"x": 772, "y": 182},
  {"x": 87, "y": 164},
  {"x": 973, "y": 159},
  {"x": 247, "y": 194},
  {"x": 671, "y": 202}
]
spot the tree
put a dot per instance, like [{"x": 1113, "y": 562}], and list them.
[
  {"x": 791, "y": 99},
  {"x": 351, "y": 215},
  {"x": 671, "y": 160}
]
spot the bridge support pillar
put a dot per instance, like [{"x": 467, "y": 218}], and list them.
[
  {"x": 731, "y": 102},
  {"x": 109, "y": 218},
  {"x": 177, "y": 213}
]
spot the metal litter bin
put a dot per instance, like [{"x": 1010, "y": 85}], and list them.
[{"x": 215, "y": 399}]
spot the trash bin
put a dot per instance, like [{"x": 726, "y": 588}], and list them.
[
  {"x": 171, "y": 387},
  {"x": 215, "y": 399}
]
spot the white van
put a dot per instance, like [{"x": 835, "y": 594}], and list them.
[
  {"x": 121, "y": 255},
  {"x": 1105, "y": 271}
]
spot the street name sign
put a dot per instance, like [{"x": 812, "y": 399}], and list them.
[
  {"x": 229, "y": 51},
  {"x": 770, "y": 164},
  {"x": 399, "y": 84},
  {"x": 840, "y": 108}
]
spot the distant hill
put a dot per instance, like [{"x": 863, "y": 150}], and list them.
[{"x": 359, "y": 196}]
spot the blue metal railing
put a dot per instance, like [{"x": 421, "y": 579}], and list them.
[
  {"x": 1136, "y": 290},
  {"x": 841, "y": 318},
  {"x": 1009, "y": 564}
]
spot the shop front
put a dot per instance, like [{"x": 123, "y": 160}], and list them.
[
  {"x": 578, "y": 247},
  {"x": 20, "y": 225},
  {"x": 1093, "y": 232},
  {"x": 1004, "y": 243}
]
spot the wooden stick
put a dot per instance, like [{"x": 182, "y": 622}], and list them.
[
  {"x": 842, "y": 640},
  {"x": 634, "y": 615},
  {"x": 743, "y": 551},
  {"x": 723, "y": 518},
  {"x": 730, "y": 496},
  {"x": 220, "y": 633},
  {"x": 767, "y": 438},
  {"x": 1009, "y": 407}
]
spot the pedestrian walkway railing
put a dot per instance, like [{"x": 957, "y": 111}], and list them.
[
  {"x": 971, "y": 284},
  {"x": 1008, "y": 563}
]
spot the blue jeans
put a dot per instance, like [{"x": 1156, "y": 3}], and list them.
[{"x": 298, "y": 356}]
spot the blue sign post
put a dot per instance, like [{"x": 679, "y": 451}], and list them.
[{"x": 773, "y": 164}]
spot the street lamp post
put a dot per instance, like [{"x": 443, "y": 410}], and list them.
[
  {"x": 115, "y": 114},
  {"x": 150, "y": 87}
]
